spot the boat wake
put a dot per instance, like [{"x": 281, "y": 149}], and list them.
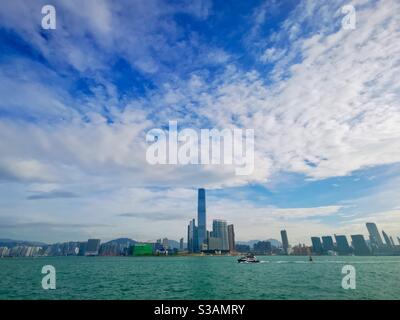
[{"x": 327, "y": 262}]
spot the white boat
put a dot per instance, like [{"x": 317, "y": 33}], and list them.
[{"x": 249, "y": 258}]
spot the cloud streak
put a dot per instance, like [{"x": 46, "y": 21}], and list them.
[{"x": 55, "y": 194}]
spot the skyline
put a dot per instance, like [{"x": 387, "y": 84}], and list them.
[
  {"x": 327, "y": 243},
  {"x": 219, "y": 240},
  {"x": 320, "y": 242},
  {"x": 78, "y": 101}
]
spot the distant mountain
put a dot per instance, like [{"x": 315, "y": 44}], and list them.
[
  {"x": 10, "y": 243},
  {"x": 248, "y": 243},
  {"x": 122, "y": 241},
  {"x": 274, "y": 242}
]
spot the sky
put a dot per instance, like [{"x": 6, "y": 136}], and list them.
[{"x": 76, "y": 104}]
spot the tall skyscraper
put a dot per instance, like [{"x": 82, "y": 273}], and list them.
[
  {"x": 327, "y": 243},
  {"x": 342, "y": 245},
  {"x": 181, "y": 244},
  {"x": 317, "y": 245},
  {"x": 193, "y": 243},
  {"x": 231, "y": 238},
  {"x": 374, "y": 235},
  {"x": 285, "y": 241},
  {"x": 201, "y": 217},
  {"x": 359, "y": 245},
  {"x": 387, "y": 239},
  {"x": 220, "y": 231}
]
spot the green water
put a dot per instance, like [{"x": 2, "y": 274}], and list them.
[{"x": 276, "y": 277}]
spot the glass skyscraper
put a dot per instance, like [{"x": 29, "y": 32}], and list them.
[
  {"x": 193, "y": 244},
  {"x": 231, "y": 238},
  {"x": 359, "y": 245},
  {"x": 220, "y": 231},
  {"x": 317, "y": 245},
  {"x": 327, "y": 243},
  {"x": 285, "y": 241},
  {"x": 92, "y": 247},
  {"x": 201, "y": 217},
  {"x": 342, "y": 245},
  {"x": 374, "y": 235}
]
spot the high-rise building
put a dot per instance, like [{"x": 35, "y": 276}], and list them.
[
  {"x": 327, "y": 243},
  {"x": 220, "y": 230},
  {"x": 214, "y": 243},
  {"x": 359, "y": 245},
  {"x": 201, "y": 217},
  {"x": 285, "y": 241},
  {"x": 92, "y": 247},
  {"x": 165, "y": 243},
  {"x": 316, "y": 245},
  {"x": 387, "y": 239},
  {"x": 82, "y": 248},
  {"x": 193, "y": 243},
  {"x": 342, "y": 245},
  {"x": 231, "y": 238},
  {"x": 181, "y": 244},
  {"x": 374, "y": 235}
]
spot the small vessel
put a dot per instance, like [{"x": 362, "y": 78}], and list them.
[
  {"x": 249, "y": 258},
  {"x": 310, "y": 259}
]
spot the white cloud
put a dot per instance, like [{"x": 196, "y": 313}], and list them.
[
  {"x": 337, "y": 112},
  {"x": 271, "y": 55}
]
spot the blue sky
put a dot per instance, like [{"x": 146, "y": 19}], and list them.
[{"x": 76, "y": 103}]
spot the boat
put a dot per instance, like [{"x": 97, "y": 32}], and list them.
[
  {"x": 310, "y": 259},
  {"x": 249, "y": 258}
]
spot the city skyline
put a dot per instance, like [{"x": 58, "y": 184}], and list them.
[
  {"x": 226, "y": 242},
  {"x": 221, "y": 240},
  {"x": 78, "y": 101}
]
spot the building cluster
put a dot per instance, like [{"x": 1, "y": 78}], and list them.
[
  {"x": 358, "y": 246},
  {"x": 21, "y": 251},
  {"x": 221, "y": 239},
  {"x": 328, "y": 245},
  {"x": 270, "y": 247},
  {"x": 91, "y": 247}
]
